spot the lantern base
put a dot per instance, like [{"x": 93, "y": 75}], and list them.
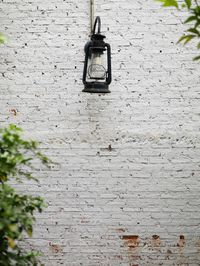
[{"x": 95, "y": 87}]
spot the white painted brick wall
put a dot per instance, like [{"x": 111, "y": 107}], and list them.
[{"x": 129, "y": 205}]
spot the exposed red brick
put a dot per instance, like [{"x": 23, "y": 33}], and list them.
[
  {"x": 55, "y": 248},
  {"x": 131, "y": 241},
  {"x": 181, "y": 242},
  {"x": 14, "y": 112},
  {"x": 155, "y": 241}
]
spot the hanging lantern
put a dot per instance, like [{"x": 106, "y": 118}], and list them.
[{"x": 97, "y": 66}]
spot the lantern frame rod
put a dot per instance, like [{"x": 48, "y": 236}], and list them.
[{"x": 91, "y": 15}]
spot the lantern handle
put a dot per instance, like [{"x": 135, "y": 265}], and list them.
[{"x": 97, "y": 20}]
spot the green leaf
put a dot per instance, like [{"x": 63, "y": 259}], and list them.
[
  {"x": 2, "y": 38},
  {"x": 11, "y": 242},
  {"x": 12, "y": 227},
  {"x": 197, "y": 24},
  {"x": 186, "y": 38},
  {"x": 191, "y": 18},
  {"x": 30, "y": 231},
  {"x": 168, "y": 3},
  {"x": 194, "y": 30},
  {"x": 188, "y": 3},
  {"x": 196, "y": 58}
]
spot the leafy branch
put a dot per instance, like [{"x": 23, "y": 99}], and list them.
[
  {"x": 17, "y": 157},
  {"x": 193, "y": 9}
]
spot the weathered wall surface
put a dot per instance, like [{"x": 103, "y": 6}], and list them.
[{"x": 126, "y": 189}]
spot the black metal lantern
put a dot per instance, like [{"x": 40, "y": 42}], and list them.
[{"x": 97, "y": 66}]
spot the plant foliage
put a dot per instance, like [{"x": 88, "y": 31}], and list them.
[
  {"x": 193, "y": 8},
  {"x": 16, "y": 210},
  {"x": 2, "y": 38}
]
